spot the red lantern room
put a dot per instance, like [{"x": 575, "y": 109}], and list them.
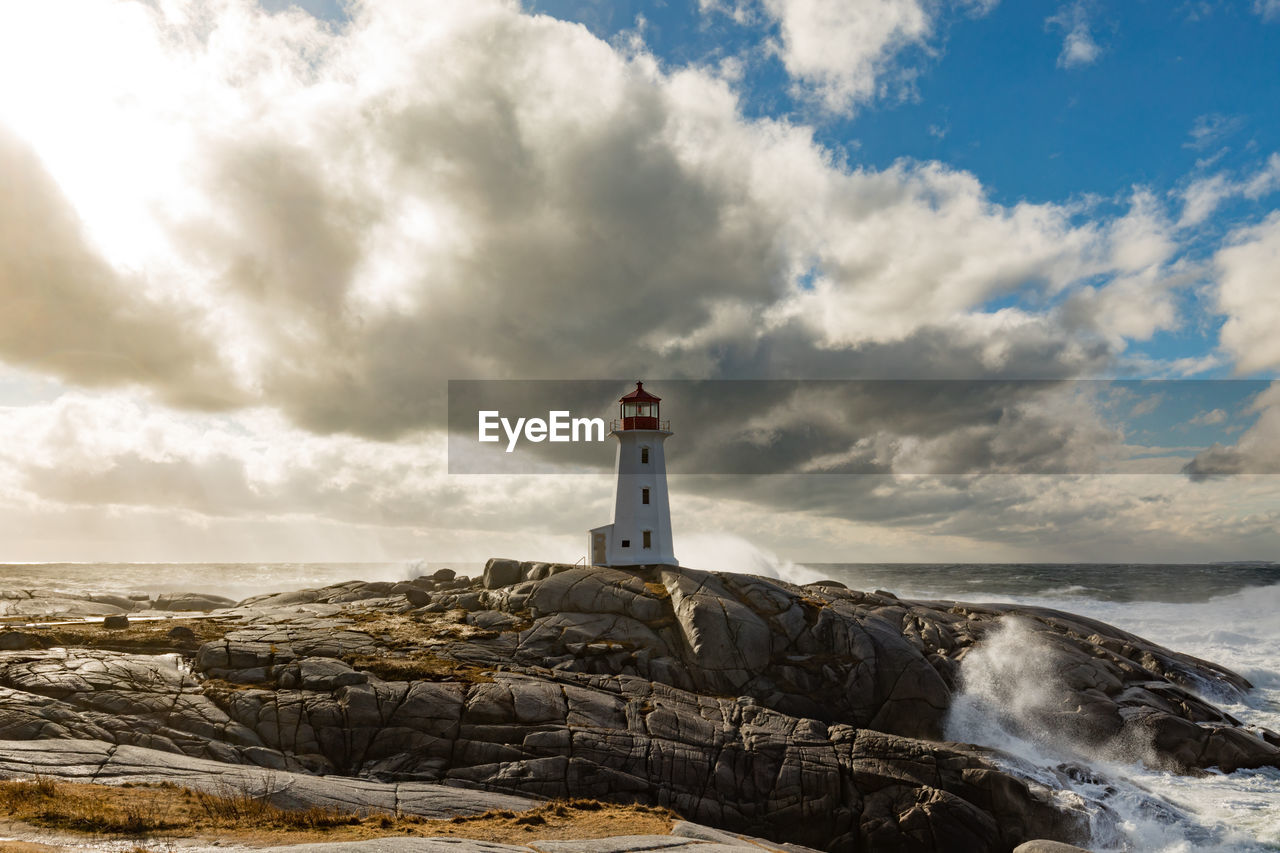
[{"x": 640, "y": 409}]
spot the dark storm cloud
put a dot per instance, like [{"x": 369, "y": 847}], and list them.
[
  {"x": 367, "y": 230},
  {"x": 384, "y": 207},
  {"x": 572, "y": 213},
  {"x": 574, "y": 254}
]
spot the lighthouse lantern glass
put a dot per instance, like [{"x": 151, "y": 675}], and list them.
[{"x": 639, "y": 410}]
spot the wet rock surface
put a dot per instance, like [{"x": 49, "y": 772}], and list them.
[{"x": 809, "y": 715}]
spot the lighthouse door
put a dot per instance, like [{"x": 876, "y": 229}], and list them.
[{"x": 598, "y": 556}]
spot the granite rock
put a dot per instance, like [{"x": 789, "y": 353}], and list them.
[{"x": 753, "y": 707}]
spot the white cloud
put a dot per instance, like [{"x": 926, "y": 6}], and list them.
[
  {"x": 1211, "y": 129},
  {"x": 367, "y": 211},
  {"x": 978, "y": 8},
  {"x": 1204, "y": 195},
  {"x": 136, "y": 481},
  {"x": 1265, "y": 181},
  {"x": 336, "y": 221},
  {"x": 742, "y": 12},
  {"x": 1248, "y": 293},
  {"x": 1268, "y": 9},
  {"x": 1209, "y": 418},
  {"x": 1255, "y": 452},
  {"x": 844, "y": 54},
  {"x": 843, "y": 50},
  {"x": 1079, "y": 47}
]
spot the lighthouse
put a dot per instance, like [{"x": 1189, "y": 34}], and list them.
[{"x": 641, "y": 530}]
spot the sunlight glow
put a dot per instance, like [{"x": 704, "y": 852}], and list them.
[{"x": 98, "y": 123}]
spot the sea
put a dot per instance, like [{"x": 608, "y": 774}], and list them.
[{"x": 1228, "y": 613}]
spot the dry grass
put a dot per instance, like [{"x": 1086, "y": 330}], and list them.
[
  {"x": 145, "y": 637},
  {"x": 239, "y": 808},
  {"x": 87, "y": 808},
  {"x": 412, "y": 643},
  {"x": 405, "y": 630},
  {"x": 420, "y": 666},
  {"x": 563, "y": 819},
  {"x": 657, "y": 590},
  {"x": 175, "y": 812}
]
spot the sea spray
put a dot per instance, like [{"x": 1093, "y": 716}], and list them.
[
  {"x": 725, "y": 552},
  {"x": 1013, "y": 699},
  {"x": 1009, "y": 688}
]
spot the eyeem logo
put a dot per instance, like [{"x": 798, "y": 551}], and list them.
[{"x": 559, "y": 426}]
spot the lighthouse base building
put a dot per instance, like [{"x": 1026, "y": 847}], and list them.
[{"x": 641, "y": 530}]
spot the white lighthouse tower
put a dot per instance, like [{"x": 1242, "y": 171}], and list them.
[{"x": 641, "y": 529}]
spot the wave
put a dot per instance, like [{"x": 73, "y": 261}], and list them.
[{"x": 1009, "y": 682}]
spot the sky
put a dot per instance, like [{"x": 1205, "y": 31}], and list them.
[{"x": 245, "y": 246}]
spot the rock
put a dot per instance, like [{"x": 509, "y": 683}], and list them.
[
  {"x": 181, "y": 634},
  {"x": 492, "y": 619},
  {"x": 685, "y": 829},
  {"x": 112, "y": 623},
  {"x": 43, "y": 606},
  {"x": 418, "y": 597},
  {"x": 191, "y": 601},
  {"x": 830, "y": 583},
  {"x": 98, "y": 761},
  {"x": 628, "y": 843},
  {"x": 277, "y": 599},
  {"x": 801, "y": 715},
  {"x": 443, "y": 575},
  {"x": 396, "y": 845},
  {"x": 535, "y": 571},
  {"x": 499, "y": 572},
  {"x": 1041, "y": 845},
  {"x": 10, "y": 640},
  {"x": 125, "y": 603},
  {"x": 323, "y": 674},
  {"x": 597, "y": 590}
]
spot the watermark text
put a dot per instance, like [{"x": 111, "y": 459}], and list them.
[{"x": 558, "y": 426}]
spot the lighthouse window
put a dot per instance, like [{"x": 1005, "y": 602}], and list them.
[
  {"x": 648, "y": 541},
  {"x": 626, "y": 543},
  {"x": 644, "y": 496},
  {"x": 644, "y": 456}
]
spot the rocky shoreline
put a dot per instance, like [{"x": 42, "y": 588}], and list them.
[{"x": 807, "y": 715}]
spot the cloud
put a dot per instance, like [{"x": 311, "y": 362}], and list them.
[
  {"x": 743, "y": 12},
  {"x": 1209, "y": 418},
  {"x": 367, "y": 211},
  {"x": 116, "y": 453},
  {"x": 1265, "y": 181},
  {"x": 1079, "y": 48},
  {"x": 978, "y": 8},
  {"x": 845, "y": 55},
  {"x": 139, "y": 481},
  {"x": 324, "y": 224},
  {"x": 1203, "y": 196},
  {"x": 1247, "y": 294},
  {"x": 1256, "y": 451},
  {"x": 1268, "y": 9},
  {"x": 1211, "y": 129},
  {"x": 69, "y": 313},
  {"x": 843, "y": 51}
]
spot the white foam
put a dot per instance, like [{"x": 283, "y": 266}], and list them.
[{"x": 1006, "y": 681}]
